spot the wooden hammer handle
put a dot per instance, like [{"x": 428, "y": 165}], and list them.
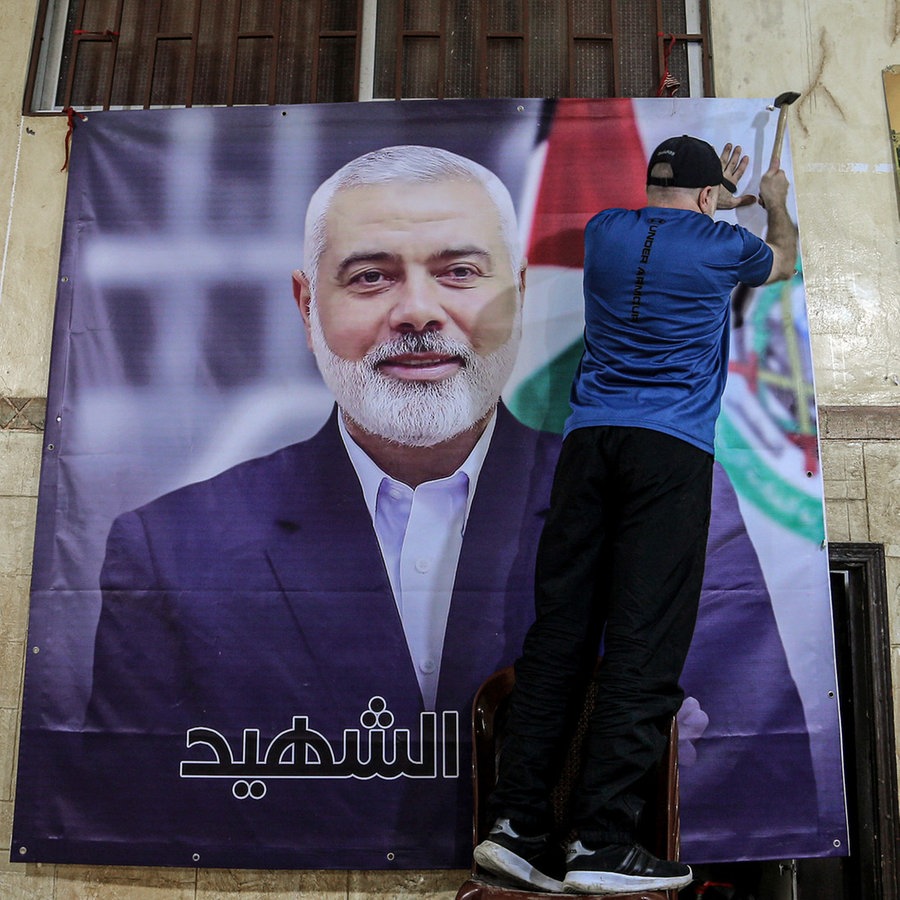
[{"x": 779, "y": 134}]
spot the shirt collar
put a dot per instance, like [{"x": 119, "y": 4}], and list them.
[{"x": 371, "y": 476}]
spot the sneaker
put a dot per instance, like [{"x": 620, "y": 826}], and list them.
[
  {"x": 528, "y": 861},
  {"x": 620, "y": 869}
]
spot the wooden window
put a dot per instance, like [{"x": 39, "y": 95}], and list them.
[{"x": 143, "y": 53}]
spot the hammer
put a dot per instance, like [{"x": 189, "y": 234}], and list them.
[{"x": 781, "y": 103}]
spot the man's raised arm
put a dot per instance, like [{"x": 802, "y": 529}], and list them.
[{"x": 781, "y": 232}]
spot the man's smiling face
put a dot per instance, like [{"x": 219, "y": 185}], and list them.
[
  {"x": 413, "y": 258},
  {"x": 417, "y": 302}
]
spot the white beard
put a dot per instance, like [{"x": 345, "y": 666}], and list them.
[{"x": 415, "y": 413}]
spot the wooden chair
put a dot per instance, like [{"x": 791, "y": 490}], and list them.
[{"x": 488, "y": 720}]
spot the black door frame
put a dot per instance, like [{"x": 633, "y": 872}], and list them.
[{"x": 862, "y": 639}]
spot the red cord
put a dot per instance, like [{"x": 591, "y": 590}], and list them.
[
  {"x": 668, "y": 81},
  {"x": 70, "y": 115}
]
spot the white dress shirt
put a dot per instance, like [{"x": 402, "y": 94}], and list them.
[{"x": 420, "y": 532}]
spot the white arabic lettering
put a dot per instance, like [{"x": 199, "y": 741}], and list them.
[{"x": 302, "y": 752}]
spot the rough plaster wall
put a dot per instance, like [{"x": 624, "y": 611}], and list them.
[
  {"x": 830, "y": 50},
  {"x": 32, "y": 193},
  {"x": 834, "y": 53}
]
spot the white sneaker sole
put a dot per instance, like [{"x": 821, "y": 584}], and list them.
[
  {"x": 501, "y": 861},
  {"x": 613, "y": 883}
]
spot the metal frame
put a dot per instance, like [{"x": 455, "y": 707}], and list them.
[
  {"x": 699, "y": 39},
  {"x": 611, "y": 37},
  {"x": 236, "y": 37},
  {"x": 404, "y": 33},
  {"x": 365, "y": 18},
  {"x": 867, "y": 718}
]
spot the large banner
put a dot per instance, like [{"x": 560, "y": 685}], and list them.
[{"x": 251, "y": 642}]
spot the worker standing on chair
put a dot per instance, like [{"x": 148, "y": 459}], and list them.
[{"x": 623, "y": 548}]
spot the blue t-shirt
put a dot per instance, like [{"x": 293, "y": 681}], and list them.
[{"x": 657, "y": 288}]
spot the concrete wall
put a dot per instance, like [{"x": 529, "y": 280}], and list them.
[
  {"x": 830, "y": 50},
  {"x": 834, "y": 53}
]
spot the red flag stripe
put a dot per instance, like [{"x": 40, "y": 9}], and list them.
[{"x": 595, "y": 159}]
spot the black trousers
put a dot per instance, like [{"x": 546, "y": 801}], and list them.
[{"x": 621, "y": 559}]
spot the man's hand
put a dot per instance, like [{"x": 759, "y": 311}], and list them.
[
  {"x": 773, "y": 186},
  {"x": 781, "y": 232},
  {"x": 733, "y": 167}
]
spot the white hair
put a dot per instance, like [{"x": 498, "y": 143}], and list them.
[{"x": 406, "y": 164}]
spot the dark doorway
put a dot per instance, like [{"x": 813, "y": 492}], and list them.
[{"x": 862, "y": 640}]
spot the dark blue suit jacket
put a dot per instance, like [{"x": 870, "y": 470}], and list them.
[{"x": 242, "y": 602}]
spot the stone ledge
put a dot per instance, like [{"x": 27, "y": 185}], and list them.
[
  {"x": 23, "y": 413},
  {"x": 849, "y": 423},
  {"x": 860, "y": 423}
]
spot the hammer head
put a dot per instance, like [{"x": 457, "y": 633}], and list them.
[{"x": 785, "y": 99}]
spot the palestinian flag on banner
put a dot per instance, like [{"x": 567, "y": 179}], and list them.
[{"x": 590, "y": 156}]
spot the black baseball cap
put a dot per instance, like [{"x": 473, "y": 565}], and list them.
[{"x": 695, "y": 164}]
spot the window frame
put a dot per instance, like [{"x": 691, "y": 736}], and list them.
[{"x": 54, "y": 17}]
